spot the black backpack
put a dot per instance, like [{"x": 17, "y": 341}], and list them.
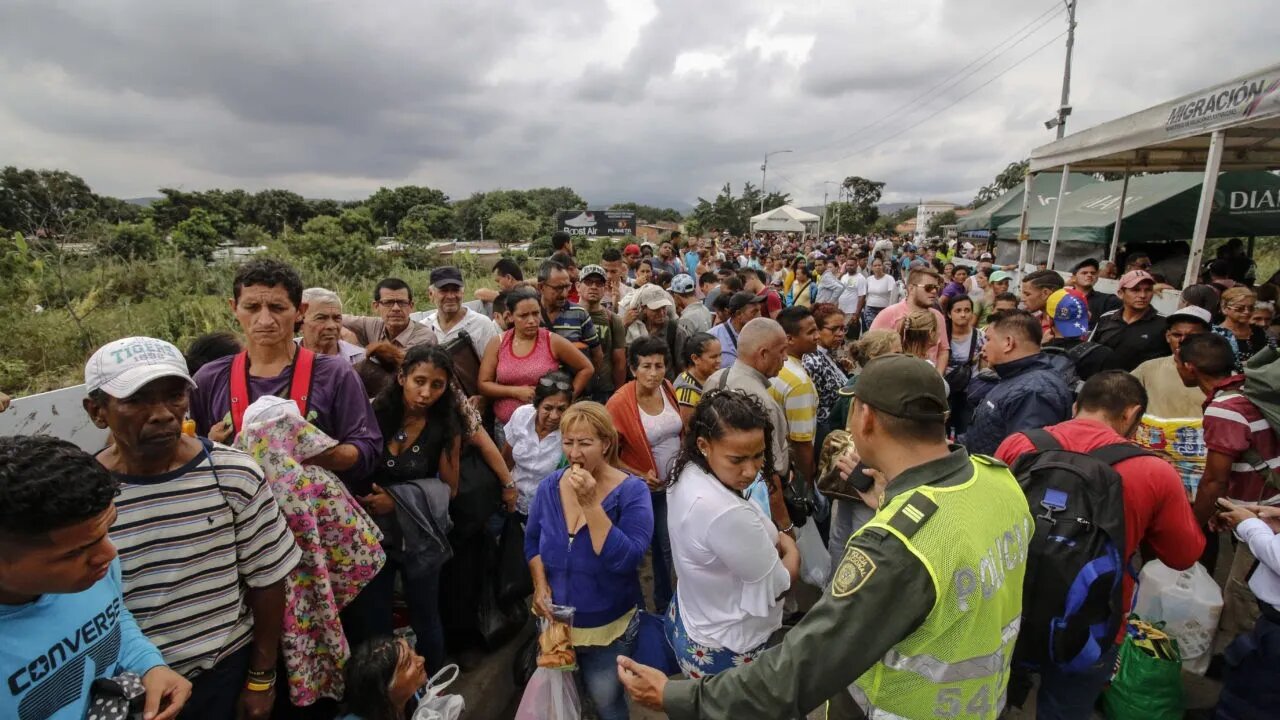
[
  {"x": 1068, "y": 362},
  {"x": 1072, "y": 598}
]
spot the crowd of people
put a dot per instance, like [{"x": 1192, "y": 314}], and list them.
[{"x": 281, "y": 512}]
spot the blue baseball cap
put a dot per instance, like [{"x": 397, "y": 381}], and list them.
[{"x": 1070, "y": 314}]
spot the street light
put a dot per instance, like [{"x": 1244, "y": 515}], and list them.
[
  {"x": 825, "y": 183},
  {"x": 764, "y": 170}
]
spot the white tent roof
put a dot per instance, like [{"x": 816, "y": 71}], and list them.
[
  {"x": 1175, "y": 135},
  {"x": 783, "y": 219}
]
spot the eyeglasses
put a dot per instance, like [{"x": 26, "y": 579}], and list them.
[
  {"x": 836, "y": 328},
  {"x": 557, "y": 384},
  {"x": 395, "y": 303},
  {"x": 1241, "y": 308},
  {"x": 558, "y": 288}
]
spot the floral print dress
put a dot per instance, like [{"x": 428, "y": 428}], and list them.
[{"x": 341, "y": 551}]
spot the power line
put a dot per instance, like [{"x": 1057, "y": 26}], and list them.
[
  {"x": 940, "y": 110},
  {"x": 952, "y": 79}
]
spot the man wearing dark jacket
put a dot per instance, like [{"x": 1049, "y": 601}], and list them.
[
  {"x": 1031, "y": 392},
  {"x": 1135, "y": 333},
  {"x": 1085, "y": 276}
]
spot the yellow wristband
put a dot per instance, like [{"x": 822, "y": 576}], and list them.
[{"x": 257, "y": 686}]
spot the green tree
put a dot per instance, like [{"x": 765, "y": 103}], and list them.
[
  {"x": 511, "y": 226},
  {"x": 42, "y": 201},
  {"x": 359, "y": 221},
  {"x": 197, "y": 236},
  {"x": 649, "y": 213},
  {"x": 250, "y": 235},
  {"x": 864, "y": 196},
  {"x": 388, "y": 206},
  {"x": 436, "y": 219},
  {"x": 325, "y": 243},
  {"x": 1013, "y": 175},
  {"x": 325, "y": 207},
  {"x": 934, "y": 227},
  {"x": 274, "y": 210},
  {"x": 130, "y": 241}
]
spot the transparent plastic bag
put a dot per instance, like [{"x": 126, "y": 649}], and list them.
[
  {"x": 1189, "y": 604},
  {"x": 433, "y": 704},
  {"x": 550, "y": 695},
  {"x": 555, "y": 640},
  {"x": 815, "y": 560}
]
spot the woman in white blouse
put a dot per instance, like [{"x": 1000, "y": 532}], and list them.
[
  {"x": 532, "y": 443},
  {"x": 733, "y": 564},
  {"x": 879, "y": 292}
]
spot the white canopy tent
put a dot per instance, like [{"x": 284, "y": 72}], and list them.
[
  {"x": 1234, "y": 125},
  {"x": 784, "y": 219}
]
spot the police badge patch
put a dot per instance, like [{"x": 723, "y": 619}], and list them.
[{"x": 853, "y": 571}]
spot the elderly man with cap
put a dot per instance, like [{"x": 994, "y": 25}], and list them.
[
  {"x": 209, "y": 595},
  {"x": 1135, "y": 332},
  {"x": 743, "y": 307},
  {"x": 1064, "y": 341},
  {"x": 1084, "y": 276},
  {"x": 451, "y": 317},
  {"x": 912, "y": 625}
]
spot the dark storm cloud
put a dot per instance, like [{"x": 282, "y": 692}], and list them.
[{"x": 648, "y": 100}]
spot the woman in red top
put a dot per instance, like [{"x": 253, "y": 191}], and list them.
[
  {"x": 647, "y": 416},
  {"x": 514, "y": 361}
]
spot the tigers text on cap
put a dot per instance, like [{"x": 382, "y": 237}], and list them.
[
  {"x": 445, "y": 276},
  {"x": 121, "y": 368},
  {"x": 903, "y": 386},
  {"x": 682, "y": 284},
  {"x": 590, "y": 270}
]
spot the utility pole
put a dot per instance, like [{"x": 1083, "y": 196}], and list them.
[
  {"x": 764, "y": 169},
  {"x": 1064, "y": 106},
  {"x": 825, "y": 183}
]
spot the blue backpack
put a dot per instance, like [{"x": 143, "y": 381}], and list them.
[{"x": 1072, "y": 604}]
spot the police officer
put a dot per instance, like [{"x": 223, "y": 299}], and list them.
[{"x": 923, "y": 609}]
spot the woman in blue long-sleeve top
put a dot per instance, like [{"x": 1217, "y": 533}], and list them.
[{"x": 589, "y": 527}]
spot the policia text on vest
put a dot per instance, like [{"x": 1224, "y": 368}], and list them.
[{"x": 920, "y": 620}]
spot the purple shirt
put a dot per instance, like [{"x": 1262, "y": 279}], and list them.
[
  {"x": 954, "y": 290},
  {"x": 337, "y": 405}
]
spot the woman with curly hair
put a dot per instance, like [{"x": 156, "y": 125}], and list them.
[{"x": 733, "y": 564}]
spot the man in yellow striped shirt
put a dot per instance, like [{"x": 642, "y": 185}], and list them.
[{"x": 794, "y": 389}]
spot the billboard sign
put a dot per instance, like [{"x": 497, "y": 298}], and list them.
[{"x": 597, "y": 223}]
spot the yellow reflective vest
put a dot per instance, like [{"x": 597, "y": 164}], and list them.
[{"x": 972, "y": 538}]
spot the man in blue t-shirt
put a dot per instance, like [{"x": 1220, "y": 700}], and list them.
[{"x": 62, "y": 613}]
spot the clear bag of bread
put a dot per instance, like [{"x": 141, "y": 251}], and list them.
[{"x": 555, "y": 639}]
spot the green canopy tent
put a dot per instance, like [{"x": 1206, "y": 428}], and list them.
[
  {"x": 1160, "y": 208},
  {"x": 1044, "y": 192}
]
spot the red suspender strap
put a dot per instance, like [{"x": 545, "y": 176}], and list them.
[
  {"x": 239, "y": 389},
  {"x": 300, "y": 387}
]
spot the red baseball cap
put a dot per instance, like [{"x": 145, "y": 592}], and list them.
[
  {"x": 632, "y": 249},
  {"x": 1133, "y": 278}
]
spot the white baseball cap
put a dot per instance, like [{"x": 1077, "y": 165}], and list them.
[{"x": 122, "y": 367}]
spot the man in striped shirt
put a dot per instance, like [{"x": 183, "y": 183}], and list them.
[
  {"x": 204, "y": 548},
  {"x": 794, "y": 389},
  {"x": 1242, "y": 449}
]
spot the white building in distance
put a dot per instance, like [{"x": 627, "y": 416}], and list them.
[{"x": 926, "y": 211}]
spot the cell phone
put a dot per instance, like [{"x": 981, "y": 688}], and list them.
[{"x": 859, "y": 479}]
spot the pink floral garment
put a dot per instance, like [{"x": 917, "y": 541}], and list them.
[{"x": 341, "y": 552}]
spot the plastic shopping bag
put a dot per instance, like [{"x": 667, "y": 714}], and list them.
[
  {"x": 1148, "y": 680},
  {"x": 550, "y": 695},
  {"x": 1189, "y": 604},
  {"x": 433, "y": 704},
  {"x": 815, "y": 561},
  {"x": 555, "y": 641}
]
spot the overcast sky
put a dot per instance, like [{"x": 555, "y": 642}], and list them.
[{"x": 656, "y": 101}]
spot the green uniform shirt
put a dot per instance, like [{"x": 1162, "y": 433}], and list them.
[{"x": 840, "y": 638}]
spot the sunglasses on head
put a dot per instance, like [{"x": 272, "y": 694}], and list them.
[{"x": 557, "y": 384}]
